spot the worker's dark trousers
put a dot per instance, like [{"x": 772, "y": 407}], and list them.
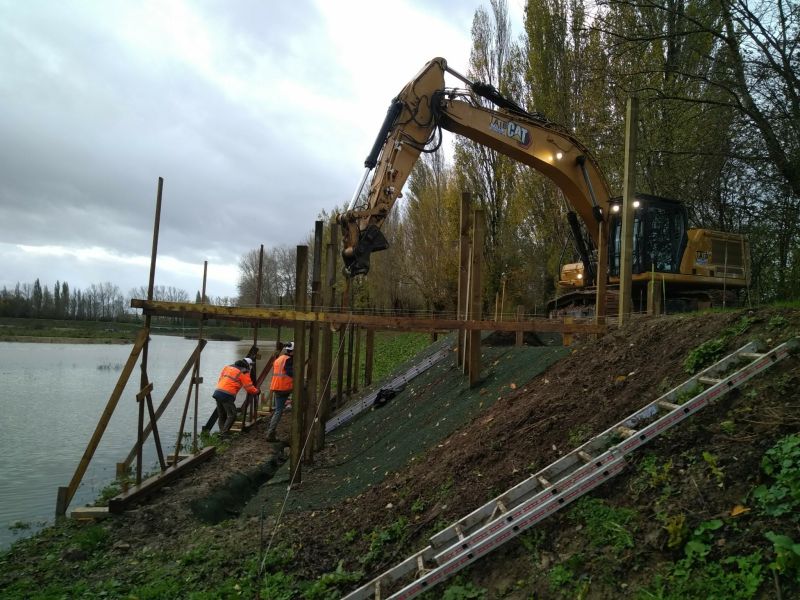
[{"x": 226, "y": 412}]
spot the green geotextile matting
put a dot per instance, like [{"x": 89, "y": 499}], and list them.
[{"x": 382, "y": 440}]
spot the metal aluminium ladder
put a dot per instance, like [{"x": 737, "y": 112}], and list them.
[
  {"x": 565, "y": 480},
  {"x": 348, "y": 413}
]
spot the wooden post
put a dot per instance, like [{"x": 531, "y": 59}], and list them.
[
  {"x": 465, "y": 226},
  {"x": 628, "y": 210},
  {"x": 329, "y": 293},
  {"x": 503, "y": 297},
  {"x": 252, "y": 403},
  {"x": 356, "y": 357},
  {"x": 566, "y": 338},
  {"x": 313, "y": 422},
  {"x": 350, "y": 334},
  {"x": 298, "y": 398},
  {"x": 340, "y": 357},
  {"x": 196, "y": 379},
  {"x": 519, "y": 334},
  {"x": 602, "y": 271},
  {"x": 368, "y": 356},
  {"x": 653, "y": 298},
  {"x": 475, "y": 296}
]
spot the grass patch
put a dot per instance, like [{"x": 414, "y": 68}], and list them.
[{"x": 605, "y": 525}]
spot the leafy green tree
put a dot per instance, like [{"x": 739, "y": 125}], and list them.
[{"x": 489, "y": 175}]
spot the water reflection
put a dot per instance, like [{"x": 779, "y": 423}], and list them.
[{"x": 52, "y": 397}]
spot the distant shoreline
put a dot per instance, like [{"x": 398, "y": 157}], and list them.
[{"x": 62, "y": 340}]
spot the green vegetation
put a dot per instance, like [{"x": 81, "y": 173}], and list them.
[
  {"x": 381, "y": 538},
  {"x": 604, "y": 524},
  {"x": 695, "y": 576},
  {"x": 119, "y": 331},
  {"x": 782, "y": 464},
  {"x": 704, "y": 355},
  {"x": 712, "y": 350},
  {"x": 787, "y": 555}
]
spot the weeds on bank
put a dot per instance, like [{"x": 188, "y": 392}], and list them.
[
  {"x": 605, "y": 525},
  {"x": 782, "y": 464},
  {"x": 732, "y": 578},
  {"x": 712, "y": 350},
  {"x": 381, "y": 538}
]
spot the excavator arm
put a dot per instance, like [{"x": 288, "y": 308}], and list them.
[{"x": 422, "y": 107}]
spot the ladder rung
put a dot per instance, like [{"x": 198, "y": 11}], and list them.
[
  {"x": 709, "y": 380},
  {"x": 626, "y": 431},
  {"x": 585, "y": 456},
  {"x": 543, "y": 482},
  {"x": 751, "y": 355},
  {"x": 667, "y": 405}
]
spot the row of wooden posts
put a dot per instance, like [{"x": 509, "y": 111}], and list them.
[{"x": 315, "y": 358}]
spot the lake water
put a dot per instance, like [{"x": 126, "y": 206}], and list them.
[{"x": 52, "y": 396}]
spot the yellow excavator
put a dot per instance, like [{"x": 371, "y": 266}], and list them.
[{"x": 694, "y": 268}]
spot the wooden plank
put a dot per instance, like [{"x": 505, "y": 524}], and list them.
[
  {"x": 379, "y": 323},
  {"x": 120, "y": 503},
  {"x": 65, "y": 496},
  {"x": 90, "y": 513}
]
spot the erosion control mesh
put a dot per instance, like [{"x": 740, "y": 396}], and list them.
[{"x": 382, "y": 439}]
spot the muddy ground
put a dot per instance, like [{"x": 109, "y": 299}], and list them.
[{"x": 525, "y": 422}]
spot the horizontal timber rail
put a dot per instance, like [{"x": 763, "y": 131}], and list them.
[{"x": 190, "y": 309}]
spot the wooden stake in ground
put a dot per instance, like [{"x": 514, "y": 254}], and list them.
[
  {"x": 475, "y": 296},
  {"x": 298, "y": 399},
  {"x": 465, "y": 226}
]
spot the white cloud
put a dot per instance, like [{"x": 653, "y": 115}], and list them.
[{"x": 257, "y": 114}]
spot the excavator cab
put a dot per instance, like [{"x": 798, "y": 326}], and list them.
[{"x": 660, "y": 228}]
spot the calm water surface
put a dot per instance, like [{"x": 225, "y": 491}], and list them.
[{"x": 52, "y": 396}]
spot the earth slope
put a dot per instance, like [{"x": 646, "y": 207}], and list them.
[{"x": 682, "y": 521}]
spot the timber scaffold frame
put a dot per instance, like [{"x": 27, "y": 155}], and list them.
[{"x": 313, "y": 331}]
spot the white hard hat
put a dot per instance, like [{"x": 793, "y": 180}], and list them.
[{"x": 249, "y": 361}]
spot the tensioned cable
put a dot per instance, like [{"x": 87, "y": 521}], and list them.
[{"x": 263, "y": 561}]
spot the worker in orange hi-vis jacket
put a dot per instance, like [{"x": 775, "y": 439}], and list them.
[
  {"x": 281, "y": 386},
  {"x": 231, "y": 380}
]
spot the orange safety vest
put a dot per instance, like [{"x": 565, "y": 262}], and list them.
[
  {"x": 281, "y": 380},
  {"x": 232, "y": 379}
]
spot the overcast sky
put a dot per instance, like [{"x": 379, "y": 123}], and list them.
[{"x": 257, "y": 114}]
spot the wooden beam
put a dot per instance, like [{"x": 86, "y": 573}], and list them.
[
  {"x": 120, "y": 503},
  {"x": 379, "y": 323},
  {"x": 65, "y": 494}
]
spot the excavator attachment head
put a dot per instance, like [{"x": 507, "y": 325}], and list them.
[{"x": 356, "y": 258}]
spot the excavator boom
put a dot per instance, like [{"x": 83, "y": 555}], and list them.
[
  {"x": 691, "y": 261},
  {"x": 423, "y": 106}
]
